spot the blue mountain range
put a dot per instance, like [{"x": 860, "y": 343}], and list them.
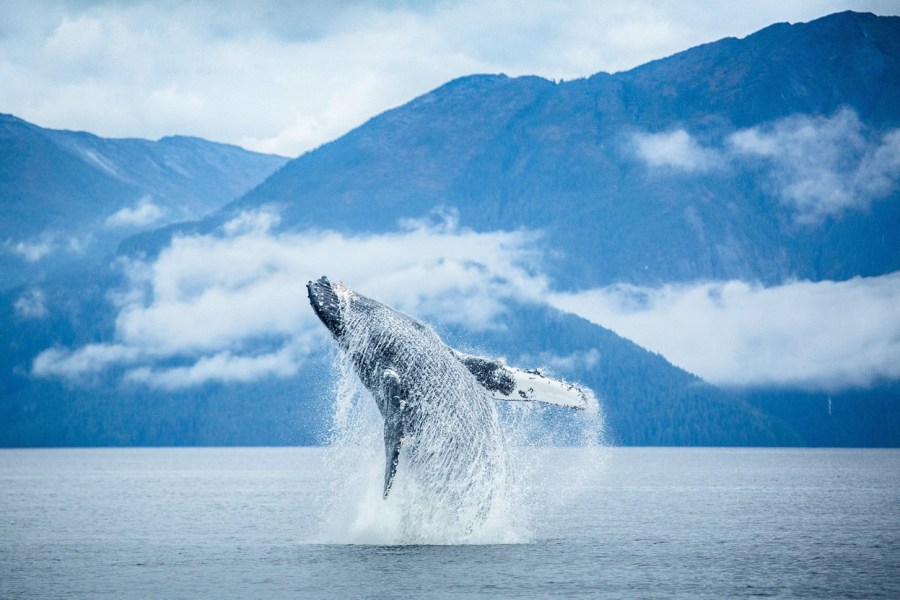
[
  {"x": 768, "y": 159},
  {"x": 73, "y": 196}
]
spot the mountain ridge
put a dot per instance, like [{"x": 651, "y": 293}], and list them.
[
  {"x": 70, "y": 194},
  {"x": 563, "y": 155},
  {"x": 636, "y": 177}
]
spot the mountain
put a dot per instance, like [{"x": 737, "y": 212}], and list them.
[
  {"x": 526, "y": 152},
  {"x": 69, "y": 195},
  {"x": 645, "y": 400},
  {"x": 767, "y": 159}
]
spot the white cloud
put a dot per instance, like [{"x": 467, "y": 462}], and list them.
[
  {"x": 286, "y": 77},
  {"x": 824, "y": 166},
  {"x": 818, "y": 166},
  {"x": 31, "y": 305},
  {"x": 823, "y": 335},
  {"x": 142, "y": 214},
  {"x": 675, "y": 149},
  {"x": 222, "y": 367},
  {"x": 233, "y": 307},
  {"x": 37, "y": 248},
  {"x": 87, "y": 360},
  {"x": 31, "y": 250},
  {"x": 253, "y": 221},
  {"x": 210, "y": 302}
]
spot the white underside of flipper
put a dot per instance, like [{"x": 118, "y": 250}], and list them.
[
  {"x": 532, "y": 385},
  {"x": 504, "y": 382}
]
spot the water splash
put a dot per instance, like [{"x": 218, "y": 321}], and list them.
[
  {"x": 468, "y": 472},
  {"x": 540, "y": 479}
]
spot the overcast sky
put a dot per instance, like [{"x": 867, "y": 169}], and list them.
[{"x": 286, "y": 77}]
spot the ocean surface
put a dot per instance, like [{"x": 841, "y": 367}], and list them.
[{"x": 607, "y": 523}]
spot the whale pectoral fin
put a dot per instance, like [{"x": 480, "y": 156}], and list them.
[
  {"x": 394, "y": 405},
  {"x": 534, "y": 385},
  {"x": 509, "y": 383},
  {"x": 492, "y": 374}
]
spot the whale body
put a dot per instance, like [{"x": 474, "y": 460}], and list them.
[{"x": 441, "y": 428}]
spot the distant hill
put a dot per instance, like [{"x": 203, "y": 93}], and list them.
[
  {"x": 764, "y": 159},
  {"x": 646, "y": 401},
  {"x": 67, "y": 195}
]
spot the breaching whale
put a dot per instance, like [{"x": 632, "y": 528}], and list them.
[{"x": 441, "y": 429}]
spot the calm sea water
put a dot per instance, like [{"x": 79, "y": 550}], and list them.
[{"x": 644, "y": 523}]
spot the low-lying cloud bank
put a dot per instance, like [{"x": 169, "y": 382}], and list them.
[
  {"x": 233, "y": 306},
  {"x": 142, "y": 214},
  {"x": 820, "y": 167},
  {"x": 814, "y": 335},
  {"x": 675, "y": 149},
  {"x": 47, "y": 244}
]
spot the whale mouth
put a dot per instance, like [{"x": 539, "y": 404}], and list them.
[{"x": 325, "y": 299}]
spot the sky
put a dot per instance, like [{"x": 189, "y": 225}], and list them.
[{"x": 286, "y": 77}]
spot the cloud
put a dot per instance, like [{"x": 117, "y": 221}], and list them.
[
  {"x": 287, "y": 77},
  {"x": 820, "y": 167},
  {"x": 37, "y": 248},
  {"x": 252, "y": 221},
  {"x": 223, "y": 367},
  {"x": 816, "y": 335},
  {"x": 87, "y": 360},
  {"x": 233, "y": 306},
  {"x": 824, "y": 166},
  {"x": 31, "y": 305},
  {"x": 675, "y": 149},
  {"x": 31, "y": 250},
  {"x": 142, "y": 214}
]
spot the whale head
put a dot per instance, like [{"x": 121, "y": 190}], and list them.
[{"x": 329, "y": 301}]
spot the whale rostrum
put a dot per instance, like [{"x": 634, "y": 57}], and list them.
[{"x": 435, "y": 401}]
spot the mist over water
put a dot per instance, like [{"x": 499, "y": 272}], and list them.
[{"x": 520, "y": 488}]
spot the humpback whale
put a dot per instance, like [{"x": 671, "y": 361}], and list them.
[{"x": 441, "y": 429}]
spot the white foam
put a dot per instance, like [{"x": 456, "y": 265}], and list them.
[{"x": 466, "y": 475}]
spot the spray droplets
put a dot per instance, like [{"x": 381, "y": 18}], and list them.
[{"x": 418, "y": 452}]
